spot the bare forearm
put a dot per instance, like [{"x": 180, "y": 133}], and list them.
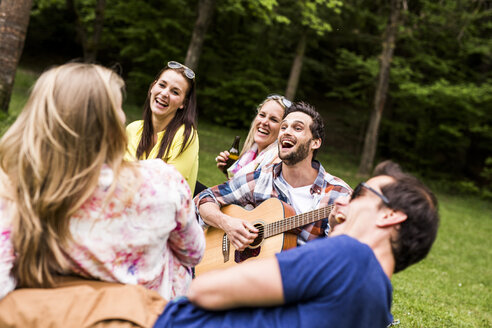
[
  {"x": 241, "y": 233},
  {"x": 254, "y": 283},
  {"x": 211, "y": 214}
]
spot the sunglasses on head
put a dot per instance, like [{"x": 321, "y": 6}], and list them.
[
  {"x": 357, "y": 190},
  {"x": 187, "y": 71},
  {"x": 284, "y": 101}
]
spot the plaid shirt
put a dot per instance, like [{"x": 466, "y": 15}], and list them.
[{"x": 255, "y": 187}]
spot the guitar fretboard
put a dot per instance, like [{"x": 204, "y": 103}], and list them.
[{"x": 296, "y": 221}]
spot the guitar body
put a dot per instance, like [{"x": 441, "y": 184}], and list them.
[{"x": 271, "y": 210}]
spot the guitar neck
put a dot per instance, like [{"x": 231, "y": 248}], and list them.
[{"x": 296, "y": 221}]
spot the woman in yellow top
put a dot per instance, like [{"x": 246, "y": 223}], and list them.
[{"x": 168, "y": 128}]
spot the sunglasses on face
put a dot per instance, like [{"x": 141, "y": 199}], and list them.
[
  {"x": 360, "y": 186},
  {"x": 284, "y": 101},
  {"x": 187, "y": 71}
]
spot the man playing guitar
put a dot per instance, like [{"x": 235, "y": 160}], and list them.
[{"x": 298, "y": 180}]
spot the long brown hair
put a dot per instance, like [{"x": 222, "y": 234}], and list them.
[
  {"x": 52, "y": 156},
  {"x": 186, "y": 116}
]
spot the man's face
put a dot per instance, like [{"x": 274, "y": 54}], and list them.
[
  {"x": 295, "y": 140},
  {"x": 356, "y": 214}
]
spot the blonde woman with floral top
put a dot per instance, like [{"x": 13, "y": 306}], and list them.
[{"x": 70, "y": 204}]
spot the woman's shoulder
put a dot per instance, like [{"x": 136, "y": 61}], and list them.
[
  {"x": 181, "y": 131},
  {"x": 134, "y": 126},
  {"x": 161, "y": 177},
  {"x": 180, "y": 134},
  {"x": 158, "y": 170}
]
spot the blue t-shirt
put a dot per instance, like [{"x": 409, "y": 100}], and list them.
[{"x": 330, "y": 282}]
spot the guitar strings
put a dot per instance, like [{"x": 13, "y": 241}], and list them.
[{"x": 286, "y": 224}]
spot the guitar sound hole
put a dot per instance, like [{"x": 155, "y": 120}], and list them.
[{"x": 259, "y": 238}]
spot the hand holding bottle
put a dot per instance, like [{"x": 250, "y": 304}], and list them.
[
  {"x": 227, "y": 158},
  {"x": 222, "y": 160}
]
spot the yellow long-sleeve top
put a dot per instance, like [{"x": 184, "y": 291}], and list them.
[{"x": 186, "y": 162}]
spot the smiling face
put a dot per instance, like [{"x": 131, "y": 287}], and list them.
[
  {"x": 296, "y": 141},
  {"x": 267, "y": 124},
  {"x": 357, "y": 214},
  {"x": 167, "y": 96}
]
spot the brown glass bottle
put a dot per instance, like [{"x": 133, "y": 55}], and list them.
[{"x": 233, "y": 154}]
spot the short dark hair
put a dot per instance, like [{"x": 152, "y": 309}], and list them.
[
  {"x": 317, "y": 127},
  {"x": 418, "y": 232}
]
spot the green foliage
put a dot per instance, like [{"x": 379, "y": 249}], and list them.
[
  {"x": 355, "y": 78},
  {"x": 438, "y": 113},
  {"x": 24, "y": 79},
  {"x": 228, "y": 101},
  {"x": 314, "y": 14},
  {"x": 445, "y": 123},
  {"x": 6, "y": 121}
]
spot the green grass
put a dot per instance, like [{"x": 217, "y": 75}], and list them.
[{"x": 450, "y": 288}]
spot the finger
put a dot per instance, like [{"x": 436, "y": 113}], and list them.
[
  {"x": 238, "y": 245},
  {"x": 245, "y": 236},
  {"x": 251, "y": 228}
]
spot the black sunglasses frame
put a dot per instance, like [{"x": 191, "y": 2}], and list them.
[{"x": 358, "y": 188}]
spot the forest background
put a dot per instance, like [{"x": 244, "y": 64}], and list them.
[
  {"x": 437, "y": 118},
  {"x": 423, "y": 66}
]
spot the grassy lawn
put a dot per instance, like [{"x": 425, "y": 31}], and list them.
[{"x": 450, "y": 288}]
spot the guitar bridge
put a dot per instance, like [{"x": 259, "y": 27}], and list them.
[{"x": 225, "y": 247}]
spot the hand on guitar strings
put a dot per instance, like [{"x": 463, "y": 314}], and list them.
[{"x": 241, "y": 233}]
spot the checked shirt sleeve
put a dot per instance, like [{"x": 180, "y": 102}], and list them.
[{"x": 237, "y": 191}]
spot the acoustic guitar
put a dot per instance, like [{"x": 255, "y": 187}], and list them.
[{"x": 273, "y": 218}]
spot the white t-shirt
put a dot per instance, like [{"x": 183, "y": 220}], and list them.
[{"x": 301, "y": 198}]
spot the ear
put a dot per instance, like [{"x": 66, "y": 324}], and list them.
[
  {"x": 315, "y": 143},
  {"x": 390, "y": 217}
]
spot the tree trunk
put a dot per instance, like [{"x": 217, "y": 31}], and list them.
[
  {"x": 295, "y": 72},
  {"x": 90, "y": 46},
  {"x": 205, "y": 13},
  {"x": 14, "y": 19},
  {"x": 371, "y": 139}
]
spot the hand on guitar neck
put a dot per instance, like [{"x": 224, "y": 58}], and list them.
[{"x": 240, "y": 232}]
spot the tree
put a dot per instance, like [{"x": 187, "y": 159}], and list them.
[
  {"x": 313, "y": 18},
  {"x": 295, "y": 71},
  {"x": 205, "y": 13},
  {"x": 90, "y": 45},
  {"x": 14, "y": 19},
  {"x": 371, "y": 139}
]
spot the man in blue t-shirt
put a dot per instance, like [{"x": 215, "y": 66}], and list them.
[{"x": 389, "y": 223}]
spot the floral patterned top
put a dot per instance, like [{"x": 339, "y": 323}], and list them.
[{"x": 146, "y": 233}]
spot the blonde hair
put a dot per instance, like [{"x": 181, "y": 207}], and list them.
[
  {"x": 52, "y": 155},
  {"x": 250, "y": 138}
]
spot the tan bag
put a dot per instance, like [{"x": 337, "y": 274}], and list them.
[{"x": 77, "y": 302}]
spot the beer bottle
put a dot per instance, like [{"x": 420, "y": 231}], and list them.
[{"x": 233, "y": 154}]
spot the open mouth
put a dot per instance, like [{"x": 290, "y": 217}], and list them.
[
  {"x": 263, "y": 131},
  {"x": 161, "y": 103},
  {"x": 340, "y": 217},
  {"x": 287, "y": 143}
]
